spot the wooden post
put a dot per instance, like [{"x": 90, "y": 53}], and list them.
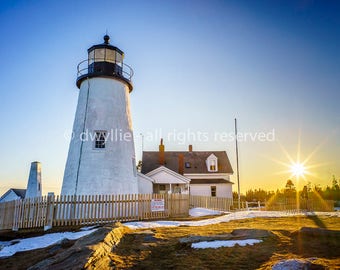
[
  {"x": 49, "y": 212},
  {"x": 170, "y": 203},
  {"x": 17, "y": 204}
]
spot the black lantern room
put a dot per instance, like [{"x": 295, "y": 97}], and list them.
[{"x": 105, "y": 60}]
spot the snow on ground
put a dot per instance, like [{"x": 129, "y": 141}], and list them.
[
  {"x": 88, "y": 228},
  {"x": 11, "y": 247},
  {"x": 224, "y": 218},
  {"x": 225, "y": 243},
  {"x": 200, "y": 212},
  {"x": 4, "y": 244}
]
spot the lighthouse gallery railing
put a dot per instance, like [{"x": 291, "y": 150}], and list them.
[{"x": 125, "y": 70}]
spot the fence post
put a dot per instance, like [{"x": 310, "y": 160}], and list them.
[
  {"x": 49, "y": 212},
  {"x": 188, "y": 204},
  {"x": 16, "y": 215},
  {"x": 168, "y": 197}
]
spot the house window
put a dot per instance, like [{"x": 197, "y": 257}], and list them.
[
  {"x": 213, "y": 191},
  {"x": 100, "y": 139},
  {"x": 177, "y": 189},
  {"x": 213, "y": 165},
  {"x": 162, "y": 187}
]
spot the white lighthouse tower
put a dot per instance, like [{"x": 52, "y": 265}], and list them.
[
  {"x": 34, "y": 181},
  {"x": 101, "y": 157}
]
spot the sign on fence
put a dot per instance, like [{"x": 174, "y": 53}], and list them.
[{"x": 157, "y": 205}]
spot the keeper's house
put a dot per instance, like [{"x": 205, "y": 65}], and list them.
[{"x": 204, "y": 173}]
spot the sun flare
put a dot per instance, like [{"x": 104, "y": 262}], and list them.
[{"x": 298, "y": 169}]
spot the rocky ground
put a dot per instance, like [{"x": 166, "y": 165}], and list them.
[{"x": 295, "y": 242}]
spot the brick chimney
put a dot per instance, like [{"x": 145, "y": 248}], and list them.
[
  {"x": 181, "y": 164},
  {"x": 190, "y": 147},
  {"x": 161, "y": 153}
]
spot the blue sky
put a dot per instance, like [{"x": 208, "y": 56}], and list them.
[{"x": 275, "y": 65}]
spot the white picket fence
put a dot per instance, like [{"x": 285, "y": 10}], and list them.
[{"x": 50, "y": 211}]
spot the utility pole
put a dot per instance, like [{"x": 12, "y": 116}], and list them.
[{"x": 237, "y": 168}]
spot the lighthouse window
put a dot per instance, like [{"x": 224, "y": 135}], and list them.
[{"x": 100, "y": 139}]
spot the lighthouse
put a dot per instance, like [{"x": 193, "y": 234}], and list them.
[
  {"x": 33, "y": 189},
  {"x": 101, "y": 157}
]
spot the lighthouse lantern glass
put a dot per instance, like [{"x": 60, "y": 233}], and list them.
[
  {"x": 99, "y": 55},
  {"x": 105, "y": 55},
  {"x": 110, "y": 56},
  {"x": 119, "y": 57},
  {"x": 91, "y": 57}
]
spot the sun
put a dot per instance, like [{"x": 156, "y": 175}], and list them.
[{"x": 298, "y": 169}]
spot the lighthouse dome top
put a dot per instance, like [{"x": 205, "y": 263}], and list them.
[
  {"x": 106, "y": 45},
  {"x": 105, "y": 60}
]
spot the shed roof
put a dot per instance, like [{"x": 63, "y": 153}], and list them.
[{"x": 19, "y": 192}]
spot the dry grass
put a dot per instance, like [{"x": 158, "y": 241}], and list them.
[
  {"x": 160, "y": 248},
  {"x": 136, "y": 251}
]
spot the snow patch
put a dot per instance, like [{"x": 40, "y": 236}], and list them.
[
  {"x": 88, "y": 228},
  {"x": 39, "y": 242},
  {"x": 225, "y": 218},
  {"x": 225, "y": 243},
  {"x": 5, "y": 244},
  {"x": 201, "y": 212}
]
